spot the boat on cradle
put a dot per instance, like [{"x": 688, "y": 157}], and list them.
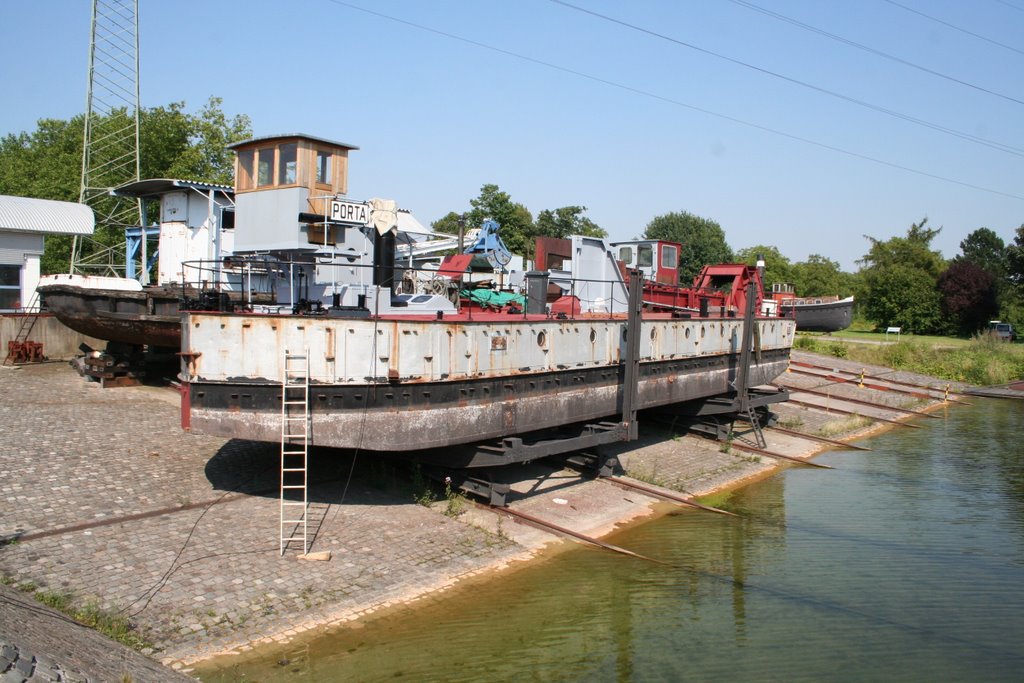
[
  {"x": 395, "y": 370},
  {"x": 196, "y": 222},
  {"x": 814, "y": 313}
]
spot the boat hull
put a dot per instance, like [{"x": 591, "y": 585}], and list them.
[
  {"x": 821, "y": 317},
  {"x": 147, "y": 317},
  {"x": 406, "y": 385}
]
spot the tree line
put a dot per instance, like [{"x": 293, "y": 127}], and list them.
[{"x": 901, "y": 281}]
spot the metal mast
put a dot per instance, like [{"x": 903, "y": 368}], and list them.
[{"x": 110, "y": 150}]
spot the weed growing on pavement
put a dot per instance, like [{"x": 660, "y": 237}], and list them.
[
  {"x": 456, "y": 501},
  {"x": 421, "y": 491}
]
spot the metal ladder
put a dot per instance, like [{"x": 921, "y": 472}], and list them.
[
  {"x": 294, "y": 508},
  {"x": 28, "y": 322}
]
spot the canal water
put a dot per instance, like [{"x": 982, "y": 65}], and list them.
[{"x": 905, "y": 563}]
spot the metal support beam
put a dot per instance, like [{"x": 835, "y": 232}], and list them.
[{"x": 631, "y": 375}]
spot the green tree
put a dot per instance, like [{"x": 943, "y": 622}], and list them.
[
  {"x": 517, "y": 227},
  {"x": 985, "y": 249},
  {"x": 777, "y": 268},
  {"x": 899, "y": 279},
  {"x": 821, "y": 276},
  {"x": 47, "y": 163},
  {"x": 566, "y": 221},
  {"x": 703, "y": 241}
]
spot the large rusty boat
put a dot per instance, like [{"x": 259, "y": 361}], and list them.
[{"x": 397, "y": 357}]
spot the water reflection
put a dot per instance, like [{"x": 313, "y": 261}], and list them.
[{"x": 905, "y": 563}]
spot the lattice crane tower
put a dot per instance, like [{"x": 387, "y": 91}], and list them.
[{"x": 110, "y": 153}]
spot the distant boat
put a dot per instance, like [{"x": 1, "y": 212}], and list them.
[{"x": 813, "y": 313}]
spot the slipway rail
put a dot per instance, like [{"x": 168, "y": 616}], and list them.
[
  {"x": 819, "y": 439},
  {"x": 636, "y": 486},
  {"x": 544, "y": 525},
  {"x": 869, "y": 404},
  {"x": 840, "y": 411},
  {"x": 861, "y": 376},
  {"x": 773, "y": 454}
]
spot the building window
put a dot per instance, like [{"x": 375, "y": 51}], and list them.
[
  {"x": 10, "y": 287},
  {"x": 323, "y": 167},
  {"x": 287, "y": 156}
]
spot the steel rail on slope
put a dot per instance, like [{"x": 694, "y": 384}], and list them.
[
  {"x": 887, "y": 379},
  {"x": 820, "y": 439},
  {"x": 840, "y": 411},
  {"x": 636, "y": 486},
  {"x": 869, "y": 404},
  {"x": 773, "y": 454},
  {"x": 550, "y": 526}
]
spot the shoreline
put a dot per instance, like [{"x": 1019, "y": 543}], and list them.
[
  {"x": 545, "y": 550},
  {"x": 98, "y": 500}
]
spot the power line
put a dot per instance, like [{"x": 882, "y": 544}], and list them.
[
  {"x": 668, "y": 100},
  {"x": 1002, "y": 147},
  {"x": 867, "y": 48},
  {"x": 1010, "y": 4},
  {"x": 955, "y": 27}
]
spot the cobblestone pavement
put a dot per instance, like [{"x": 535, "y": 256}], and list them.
[
  {"x": 115, "y": 504},
  {"x": 209, "y": 577}
]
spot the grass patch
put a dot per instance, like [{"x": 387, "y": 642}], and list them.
[
  {"x": 844, "y": 426},
  {"x": 110, "y": 624},
  {"x": 649, "y": 476},
  {"x": 979, "y": 361},
  {"x": 791, "y": 422}
]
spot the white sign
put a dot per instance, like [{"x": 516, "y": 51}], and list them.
[{"x": 350, "y": 212}]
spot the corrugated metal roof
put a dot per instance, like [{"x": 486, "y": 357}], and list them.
[
  {"x": 152, "y": 187},
  {"x": 267, "y": 138},
  {"x": 25, "y": 214}
]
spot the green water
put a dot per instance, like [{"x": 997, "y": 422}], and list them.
[{"x": 906, "y": 563}]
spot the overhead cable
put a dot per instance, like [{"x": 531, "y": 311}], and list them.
[
  {"x": 1002, "y": 147},
  {"x": 955, "y": 27},
  {"x": 867, "y": 48},
  {"x": 668, "y": 100}
]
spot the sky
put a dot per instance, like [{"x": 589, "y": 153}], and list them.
[{"x": 762, "y": 115}]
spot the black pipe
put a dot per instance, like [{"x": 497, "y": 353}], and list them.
[{"x": 384, "y": 259}]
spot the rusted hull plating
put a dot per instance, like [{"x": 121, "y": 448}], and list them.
[
  {"x": 400, "y": 385},
  {"x": 149, "y": 317}
]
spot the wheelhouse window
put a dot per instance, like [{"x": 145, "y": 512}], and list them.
[
  {"x": 265, "y": 167},
  {"x": 246, "y": 159},
  {"x": 323, "y": 167},
  {"x": 287, "y": 171},
  {"x": 645, "y": 256},
  {"x": 669, "y": 256},
  {"x": 626, "y": 255},
  {"x": 10, "y": 287}
]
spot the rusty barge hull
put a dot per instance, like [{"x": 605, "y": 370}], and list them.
[
  {"x": 404, "y": 385},
  {"x": 147, "y": 317}
]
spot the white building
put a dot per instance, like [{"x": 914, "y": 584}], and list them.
[{"x": 23, "y": 223}]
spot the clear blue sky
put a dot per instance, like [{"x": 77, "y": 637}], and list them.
[{"x": 436, "y": 117}]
